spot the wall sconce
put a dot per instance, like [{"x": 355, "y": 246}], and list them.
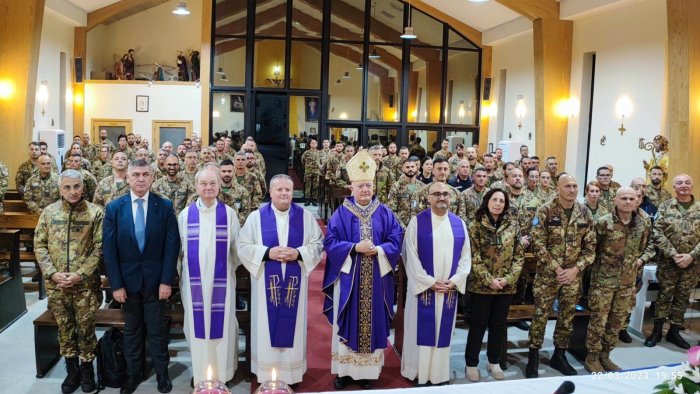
[
  {"x": 276, "y": 81},
  {"x": 42, "y": 95},
  {"x": 623, "y": 109},
  {"x": 567, "y": 108},
  {"x": 460, "y": 112},
  {"x": 215, "y": 114},
  {"x": 520, "y": 110}
]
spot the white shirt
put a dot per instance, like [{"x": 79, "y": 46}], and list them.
[{"x": 135, "y": 205}]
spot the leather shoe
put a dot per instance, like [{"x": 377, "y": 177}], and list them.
[
  {"x": 129, "y": 385},
  {"x": 164, "y": 383},
  {"x": 365, "y": 384},
  {"x": 341, "y": 381},
  {"x": 624, "y": 336}
]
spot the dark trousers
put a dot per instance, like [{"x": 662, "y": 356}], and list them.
[
  {"x": 145, "y": 309},
  {"x": 488, "y": 311}
]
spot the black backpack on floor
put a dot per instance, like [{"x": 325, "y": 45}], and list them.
[{"x": 111, "y": 364}]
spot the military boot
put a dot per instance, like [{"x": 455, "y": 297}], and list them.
[
  {"x": 673, "y": 335},
  {"x": 560, "y": 363},
  {"x": 72, "y": 381},
  {"x": 533, "y": 363},
  {"x": 592, "y": 363},
  {"x": 87, "y": 377},
  {"x": 607, "y": 363},
  {"x": 656, "y": 333}
]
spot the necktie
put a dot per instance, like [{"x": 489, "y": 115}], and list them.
[{"x": 140, "y": 224}]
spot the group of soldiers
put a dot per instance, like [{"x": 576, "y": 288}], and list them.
[
  {"x": 103, "y": 167},
  {"x": 642, "y": 224}
]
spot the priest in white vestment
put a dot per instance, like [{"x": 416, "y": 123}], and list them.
[
  {"x": 437, "y": 255},
  {"x": 209, "y": 230},
  {"x": 280, "y": 244}
]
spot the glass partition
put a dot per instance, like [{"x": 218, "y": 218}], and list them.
[
  {"x": 345, "y": 82},
  {"x": 462, "y": 90}
]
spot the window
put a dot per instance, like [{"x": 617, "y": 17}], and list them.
[
  {"x": 174, "y": 131},
  {"x": 114, "y": 128}
]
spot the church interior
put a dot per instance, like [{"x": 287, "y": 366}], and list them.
[{"x": 589, "y": 82}]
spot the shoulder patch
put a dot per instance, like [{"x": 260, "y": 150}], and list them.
[{"x": 535, "y": 221}]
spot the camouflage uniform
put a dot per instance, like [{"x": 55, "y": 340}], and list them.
[
  {"x": 559, "y": 243},
  {"x": 251, "y": 183},
  {"x": 614, "y": 276},
  {"x": 260, "y": 162},
  {"x": 41, "y": 192},
  {"x": 657, "y": 197},
  {"x": 69, "y": 239},
  {"x": 101, "y": 169},
  {"x": 403, "y": 200},
  {"x": 676, "y": 230},
  {"x": 545, "y": 195},
  {"x": 495, "y": 176},
  {"x": 84, "y": 163},
  {"x": 311, "y": 162},
  {"x": 179, "y": 192},
  {"x": 500, "y": 184},
  {"x": 454, "y": 160},
  {"x": 335, "y": 161},
  {"x": 472, "y": 202},
  {"x": 456, "y": 202},
  {"x": 89, "y": 184},
  {"x": 523, "y": 208},
  {"x": 4, "y": 175},
  {"x": 238, "y": 198},
  {"x": 261, "y": 178},
  {"x": 24, "y": 172},
  {"x": 108, "y": 142},
  {"x": 599, "y": 212},
  {"x": 190, "y": 177},
  {"x": 445, "y": 154},
  {"x": 342, "y": 180},
  {"x": 391, "y": 162},
  {"x": 157, "y": 171},
  {"x": 383, "y": 179},
  {"x": 497, "y": 253},
  {"x": 107, "y": 191},
  {"x": 607, "y": 202},
  {"x": 130, "y": 153}
]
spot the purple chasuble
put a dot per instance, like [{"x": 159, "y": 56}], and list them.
[
  {"x": 366, "y": 299},
  {"x": 218, "y": 296},
  {"x": 282, "y": 312},
  {"x": 426, "y": 300}
]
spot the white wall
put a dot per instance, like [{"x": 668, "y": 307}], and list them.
[
  {"x": 516, "y": 56},
  {"x": 630, "y": 45},
  {"x": 155, "y": 34},
  {"x": 56, "y": 37},
  {"x": 166, "y": 102}
]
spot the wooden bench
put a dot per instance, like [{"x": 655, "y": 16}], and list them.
[
  {"x": 15, "y": 206},
  {"x": 24, "y": 221},
  {"x": 13, "y": 304}
]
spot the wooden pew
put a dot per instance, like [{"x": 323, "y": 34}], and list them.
[
  {"x": 13, "y": 304},
  {"x": 23, "y": 221},
  {"x": 15, "y": 206}
]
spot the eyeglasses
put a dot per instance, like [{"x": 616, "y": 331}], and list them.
[{"x": 438, "y": 194}]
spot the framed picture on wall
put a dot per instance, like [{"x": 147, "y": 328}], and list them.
[
  {"x": 312, "y": 130},
  {"x": 237, "y": 103},
  {"x": 141, "y": 103},
  {"x": 311, "y": 109}
]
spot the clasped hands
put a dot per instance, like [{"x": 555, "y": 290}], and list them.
[
  {"x": 65, "y": 280},
  {"x": 366, "y": 247},
  {"x": 284, "y": 254},
  {"x": 682, "y": 260},
  {"x": 498, "y": 284},
  {"x": 566, "y": 276}
]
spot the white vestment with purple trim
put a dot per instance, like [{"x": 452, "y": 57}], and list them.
[{"x": 220, "y": 353}]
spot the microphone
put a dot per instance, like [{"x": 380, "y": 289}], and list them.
[{"x": 567, "y": 387}]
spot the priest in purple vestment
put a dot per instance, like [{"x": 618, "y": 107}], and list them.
[{"x": 363, "y": 244}]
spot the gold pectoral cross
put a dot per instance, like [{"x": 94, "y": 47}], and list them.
[
  {"x": 425, "y": 298},
  {"x": 291, "y": 298},
  {"x": 274, "y": 290}
]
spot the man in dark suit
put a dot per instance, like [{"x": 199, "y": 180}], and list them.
[{"x": 142, "y": 244}]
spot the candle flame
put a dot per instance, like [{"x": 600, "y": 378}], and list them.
[
  {"x": 274, "y": 374},
  {"x": 209, "y": 372}
]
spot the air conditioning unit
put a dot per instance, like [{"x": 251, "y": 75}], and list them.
[{"x": 55, "y": 142}]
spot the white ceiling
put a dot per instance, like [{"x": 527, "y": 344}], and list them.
[
  {"x": 92, "y": 5},
  {"x": 481, "y": 16}
]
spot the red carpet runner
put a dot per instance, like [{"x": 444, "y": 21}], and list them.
[{"x": 318, "y": 353}]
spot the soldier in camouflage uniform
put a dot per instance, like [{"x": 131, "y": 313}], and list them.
[
  {"x": 247, "y": 179},
  {"x": 456, "y": 158},
  {"x": 101, "y": 167},
  {"x": 677, "y": 236},
  {"x": 123, "y": 146},
  {"x": 383, "y": 179},
  {"x": 444, "y": 152},
  {"x": 252, "y": 166},
  {"x": 622, "y": 237},
  {"x": 403, "y": 196},
  {"x": 441, "y": 171},
  {"x": 158, "y": 167},
  {"x": 655, "y": 191},
  {"x": 173, "y": 186},
  {"x": 497, "y": 260},
  {"x": 592, "y": 200},
  {"x": 392, "y": 161},
  {"x": 190, "y": 168},
  {"x": 311, "y": 163},
  {"x": 102, "y": 140},
  {"x": 471, "y": 155},
  {"x": 77, "y": 148},
  {"x": 259, "y": 159},
  {"x": 341, "y": 175},
  {"x": 325, "y": 154},
  {"x": 493, "y": 173},
  {"x": 28, "y": 168},
  {"x": 607, "y": 191},
  {"x": 115, "y": 185},
  {"x": 474, "y": 195},
  {"x": 546, "y": 191},
  {"x": 403, "y": 156},
  {"x": 4, "y": 175},
  {"x": 89, "y": 150},
  {"x": 89, "y": 181},
  {"x": 68, "y": 247},
  {"x": 333, "y": 162},
  {"x": 564, "y": 243},
  {"x": 233, "y": 194},
  {"x": 502, "y": 183},
  {"x": 42, "y": 188}
]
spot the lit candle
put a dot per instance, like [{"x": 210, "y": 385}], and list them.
[
  {"x": 274, "y": 386},
  {"x": 211, "y": 386}
]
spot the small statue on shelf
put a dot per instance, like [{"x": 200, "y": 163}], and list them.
[
  {"x": 182, "y": 74},
  {"x": 119, "y": 70},
  {"x": 128, "y": 64},
  {"x": 158, "y": 74},
  {"x": 194, "y": 60}
]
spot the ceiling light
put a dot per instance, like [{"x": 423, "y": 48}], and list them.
[
  {"x": 374, "y": 54},
  {"x": 408, "y": 33},
  {"x": 346, "y": 75},
  {"x": 359, "y": 67},
  {"x": 181, "y": 9}
]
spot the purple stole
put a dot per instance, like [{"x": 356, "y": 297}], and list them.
[
  {"x": 426, "y": 300},
  {"x": 282, "y": 313},
  {"x": 218, "y": 297}
]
